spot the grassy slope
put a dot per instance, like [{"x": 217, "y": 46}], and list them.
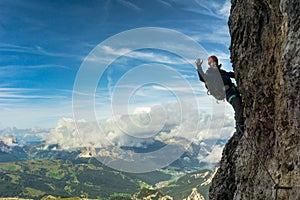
[{"x": 87, "y": 177}]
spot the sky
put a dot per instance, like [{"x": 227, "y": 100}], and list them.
[{"x": 44, "y": 46}]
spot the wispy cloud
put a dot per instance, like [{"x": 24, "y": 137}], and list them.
[
  {"x": 38, "y": 50},
  {"x": 172, "y": 89},
  {"x": 215, "y": 34},
  {"x": 208, "y": 8},
  {"x": 28, "y": 67},
  {"x": 130, "y": 5},
  {"x": 225, "y": 9},
  {"x": 212, "y": 8},
  {"x": 111, "y": 51},
  {"x": 8, "y": 94},
  {"x": 203, "y": 7},
  {"x": 165, "y": 3},
  {"x": 152, "y": 56},
  {"x": 15, "y": 89},
  {"x": 14, "y": 95}
]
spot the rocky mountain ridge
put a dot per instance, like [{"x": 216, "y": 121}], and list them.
[{"x": 265, "y": 53}]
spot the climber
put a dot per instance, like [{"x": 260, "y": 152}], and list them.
[{"x": 225, "y": 88}]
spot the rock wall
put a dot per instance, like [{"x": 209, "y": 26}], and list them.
[{"x": 265, "y": 54}]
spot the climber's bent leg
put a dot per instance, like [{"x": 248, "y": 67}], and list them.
[{"x": 238, "y": 107}]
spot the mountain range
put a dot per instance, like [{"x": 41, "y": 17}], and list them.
[{"x": 33, "y": 171}]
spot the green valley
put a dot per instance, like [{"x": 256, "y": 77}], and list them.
[{"x": 87, "y": 177}]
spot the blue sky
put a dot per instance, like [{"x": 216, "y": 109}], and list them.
[{"x": 44, "y": 43}]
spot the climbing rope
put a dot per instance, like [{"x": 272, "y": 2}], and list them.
[{"x": 276, "y": 185}]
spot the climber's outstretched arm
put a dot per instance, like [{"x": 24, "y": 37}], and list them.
[{"x": 199, "y": 69}]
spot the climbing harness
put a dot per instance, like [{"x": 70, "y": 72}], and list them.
[
  {"x": 231, "y": 93},
  {"x": 231, "y": 97},
  {"x": 276, "y": 185}
]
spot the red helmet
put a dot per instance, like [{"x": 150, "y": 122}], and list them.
[{"x": 212, "y": 58}]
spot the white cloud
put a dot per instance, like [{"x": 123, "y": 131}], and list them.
[
  {"x": 205, "y": 7},
  {"x": 165, "y": 3},
  {"x": 130, "y": 5},
  {"x": 214, "y": 156},
  {"x": 225, "y": 10},
  {"x": 143, "y": 110},
  {"x": 32, "y": 50},
  {"x": 10, "y": 95},
  {"x": 15, "y": 68},
  {"x": 153, "y": 56},
  {"x": 172, "y": 89},
  {"x": 111, "y": 51},
  {"x": 8, "y": 140},
  {"x": 21, "y": 136},
  {"x": 14, "y": 95},
  {"x": 163, "y": 122},
  {"x": 214, "y": 27},
  {"x": 65, "y": 135},
  {"x": 217, "y": 34}
]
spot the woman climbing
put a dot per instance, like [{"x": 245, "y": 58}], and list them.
[{"x": 222, "y": 89}]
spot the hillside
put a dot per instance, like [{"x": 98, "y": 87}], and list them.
[
  {"x": 62, "y": 174},
  {"x": 36, "y": 178}
]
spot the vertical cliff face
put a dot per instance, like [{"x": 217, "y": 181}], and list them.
[{"x": 265, "y": 53}]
